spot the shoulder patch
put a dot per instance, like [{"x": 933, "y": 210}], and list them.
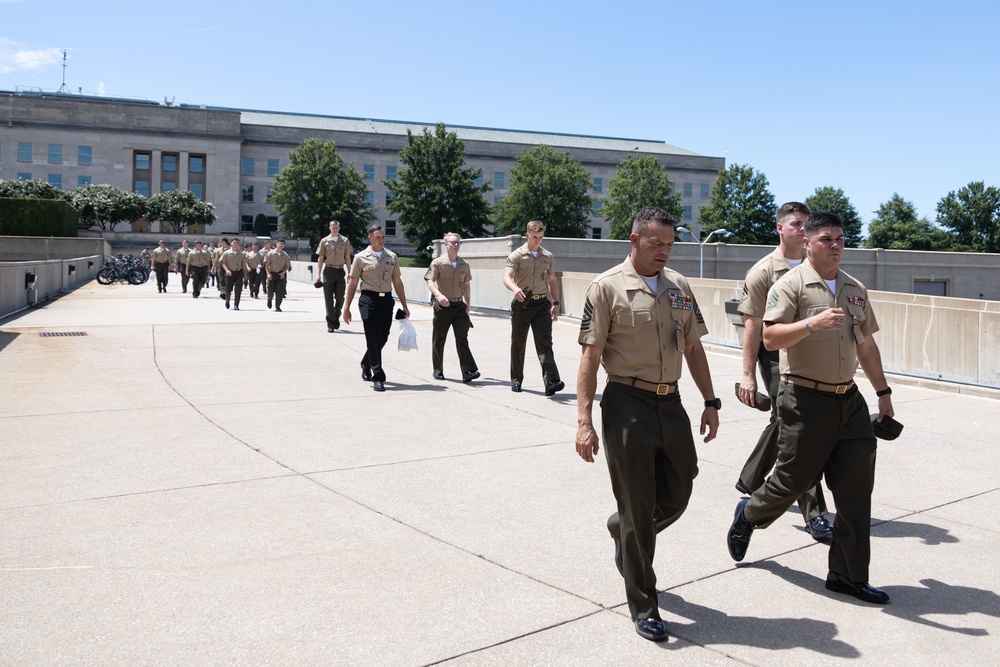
[
  {"x": 772, "y": 298},
  {"x": 588, "y": 315}
]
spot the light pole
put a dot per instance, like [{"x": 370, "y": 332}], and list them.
[{"x": 701, "y": 246}]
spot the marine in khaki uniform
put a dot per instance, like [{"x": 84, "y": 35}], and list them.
[
  {"x": 822, "y": 321},
  {"x": 376, "y": 271},
  {"x": 449, "y": 278},
  {"x": 790, "y": 219},
  {"x": 276, "y": 265},
  {"x": 220, "y": 275},
  {"x": 640, "y": 321},
  {"x": 333, "y": 255},
  {"x": 233, "y": 269},
  {"x": 255, "y": 263},
  {"x": 530, "y": 276},
  {"x": 198, "y": 263},
  {"x": 181, "y": 264},
  {"x": 161, "y": 266}
]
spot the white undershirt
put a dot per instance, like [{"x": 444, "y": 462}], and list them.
[
  {"x": 379, "y": 253},
  {"x": 832, "y": 284},
  {"x": 534, "y": 254},
  {"x": 454, "y": 264},
  {"x": 793, "y": 262},
  {"x": 651, "y": 281}
]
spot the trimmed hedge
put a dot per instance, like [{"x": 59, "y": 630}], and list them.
[{"x": 38, "y": 217}]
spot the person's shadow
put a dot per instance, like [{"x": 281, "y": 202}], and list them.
[{"x": 709, "y": 626}]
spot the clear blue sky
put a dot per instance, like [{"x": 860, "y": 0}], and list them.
[{"x": 872, "y": 97}]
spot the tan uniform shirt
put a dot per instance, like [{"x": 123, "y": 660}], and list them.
[
  {"x": 334, "y": 253},
  {"x": 234, "y": 260},
  {"x": 451, "y": 280},
  {"x": 758, "y": 282},
  {"x": 199, "y": 258},
  {"x": 217, "y": 253},
  {"x": 277, "y": 261},
  {"x": 182, "y": 257},
  {"x": 643, "y": 334},
  {"x": 823, "y": 356},
  {"x": 161, "y": 256},
  {"x": 530, "y": 271},
  {"x": 375, "y": 273},
  {"x": 254, "y": 259}
]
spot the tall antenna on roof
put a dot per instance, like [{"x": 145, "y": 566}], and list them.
[{"x": 63, "y": 88}]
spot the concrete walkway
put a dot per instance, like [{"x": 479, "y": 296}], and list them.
[{"x": 190, "y": 485}]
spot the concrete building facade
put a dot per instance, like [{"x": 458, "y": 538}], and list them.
[{"x": 230, "y": 157}]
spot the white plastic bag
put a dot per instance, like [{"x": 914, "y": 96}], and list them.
[{"x": 407, "y": 336}]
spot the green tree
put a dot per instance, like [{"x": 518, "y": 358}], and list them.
[
  {"x": 547, "y": 186},
  {"x": 895, "y": 226},
  {"x": 435, "y": 193},
  {"x": 317, "y": 186},
  {"x": 833, "y": 200},
  {"x": 973, "y": 215},
  {"x": 16, "y": 188},
  {"x": 178, "y": 209},
  {"x": 742, "y": 204},
  {"x": 106, "y": 206},
  {"x": 641, "y": 181}
]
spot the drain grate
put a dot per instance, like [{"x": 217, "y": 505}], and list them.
[{"x": 49, "y": 334}]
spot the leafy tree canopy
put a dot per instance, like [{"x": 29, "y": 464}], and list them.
[
  {"x": 317, "y": 186},
  {"x": 105, "y": 206},
  {"x": 16, "y": 188},
  {"x": 742, "y": 204},
  {"x": 641, "y": 181},
  {"x": 973, "y": 216},
  {"x": 833, "y": 200},
  {"x": 178, "y": 209},
  {"x": 547, "y": 186},
  {"x": 896, "y": 226},
  {"x": 435, "y": 193}
]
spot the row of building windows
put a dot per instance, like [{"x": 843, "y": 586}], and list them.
[
  {"x": 248, "y": 167},
  {"x": 142, "y": 160},
  {"x": 25, "y": 153}
]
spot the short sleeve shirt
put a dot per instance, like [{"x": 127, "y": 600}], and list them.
[
  {"x": 823, "y": 356},
  {"x": 758, "y": 282},
  {"x": 334, "y": 253},
  {"x": 451, "y": 280},
  {"x": 643, "y": 334},
  {"x": 199, "y": 258},
  {"x": 233, "y": 260},
  {"x": 161, "y": 256},
  {"x": 254, "y": 259},
  {"x": 531, "y": 271},
  {"x": 182, "y": 255},
  {"x": 375, "y": 273},
  {"x": 277, "y": 261}
]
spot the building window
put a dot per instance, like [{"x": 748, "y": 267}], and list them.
[
  {"x": 24, "y": 151},
  {"x": 82, "y": 181},
  {"x": 369, "y": 171},
  {"x": 478, "y": 182},
  {"x": 596, "y": 208},
  {"x": 388, "y": 197},
  {"x": 198, "y": 190},
  {"x": 390, "y": 227},
  {"x": 595, "y": 232},
  {"x": 56, "y": 180},
  {"x": 688, "y": 189},
  {"x": 272, "y": 223},
  {"x": 704, "y": 190},
  {"x": 55, "y": 154},
  {"x": 85, "y": 155},
  {"x": 24, "y": 176},
  {"x": 598, "y": 185},
  {"x": 270, "y": 193},
  {"x": 196, "y": 164},
  {"x": 246, "y": 223},
  {"x": 246, "y": 193},
  {"x": 498, "y": 179},
  {"x": 369, "y": 198},
  {"x": 687, "y": 213},
  {"x": 272, "y": 167},
  {"x": 169, "y": 162},
  {"x": 247, "y": 166},
  {"x": 390, "y": 173},
  {"x": 142, "y": 161},
  {"x": 142, "y": 188},
  {"x": 168, "y": 186}
]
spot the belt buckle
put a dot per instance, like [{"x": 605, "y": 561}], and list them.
[
  {"x": 842, "y": 389},
  {"x": 663, "y": 390},
  {"x": 382, "y": 294}
]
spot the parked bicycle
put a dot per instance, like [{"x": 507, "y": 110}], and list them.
[{"x": 124, "y": 269}]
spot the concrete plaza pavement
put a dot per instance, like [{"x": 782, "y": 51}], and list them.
[{"x": 186, "y": 484}]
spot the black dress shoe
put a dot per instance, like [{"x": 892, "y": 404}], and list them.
[
  {"x": 438, "y": 375},
  {"x": 552, "y": 387},
  {"x": 470, "y": 376},
  {"x": 336, "y": 325},
  {"x": 329, "y": 329},
  {"x": 366, "y": 373},
  {"x": 515, "y": 387},
  {"x": 742, "y": 488},
  {"x": 738, "y": 539},
  {"x": 277, "y": 309},
  {"x": 651, "y": 629},
  {"x": 236, "y": 307},
  {"x": 859, "y": 589},
  {"x": 820, "y": 529},
  {"x": 618, "y": 557},
  {"x": 268, "y": 303},
  {"x": 378, "y": 385}
]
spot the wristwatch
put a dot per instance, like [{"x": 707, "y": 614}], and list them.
[
  {"x": 714, "y": 403},
  {"x": 555, "y": 303}
]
